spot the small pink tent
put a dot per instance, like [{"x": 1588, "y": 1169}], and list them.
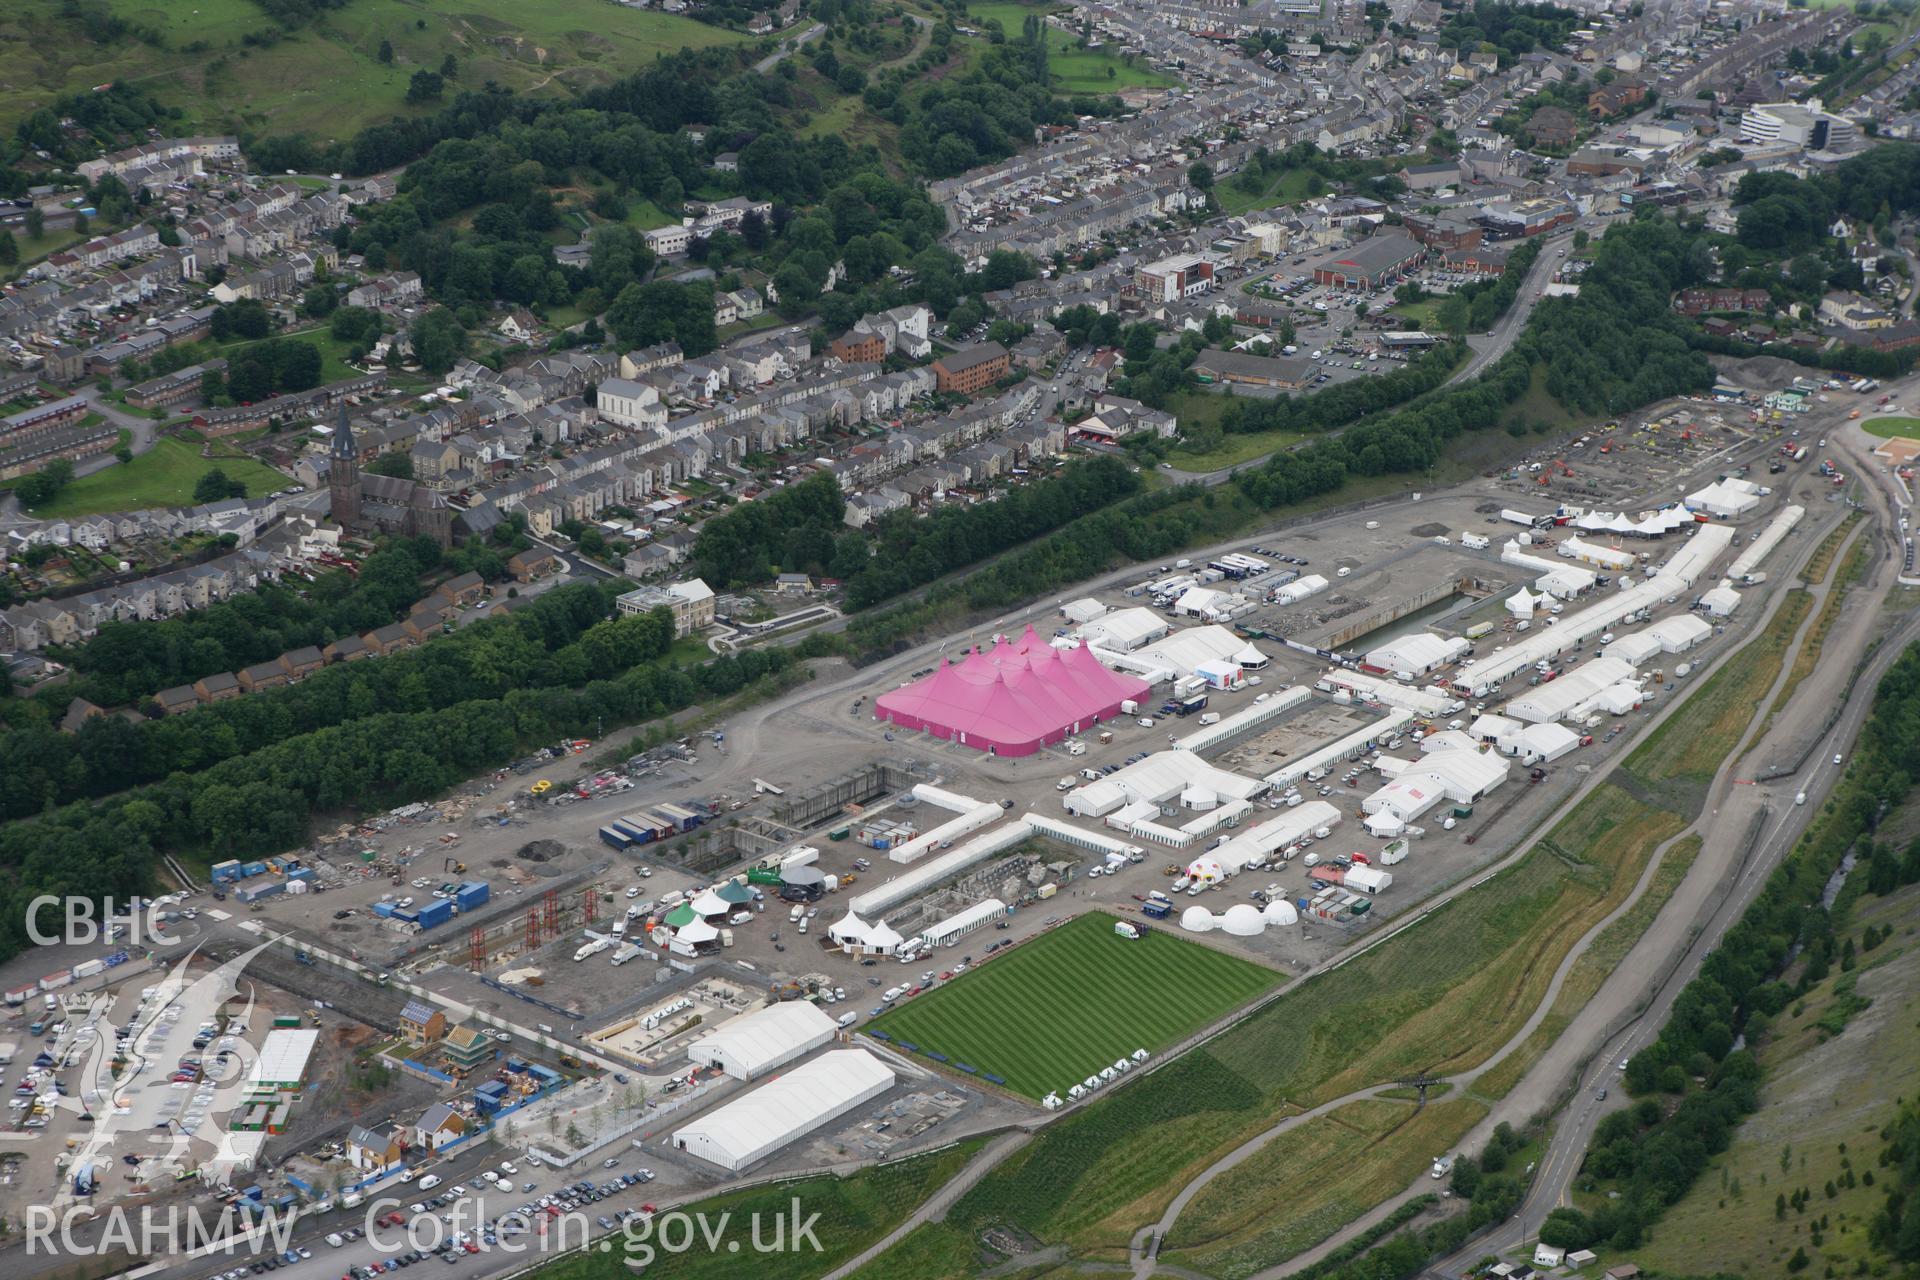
[{"x": 1012, "y": 698}]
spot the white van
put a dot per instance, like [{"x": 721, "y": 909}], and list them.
[
  {"x": 847, "y": 1020},
  {"x": 429, "y": 1182},
  {"x": 797, "y": 914}
]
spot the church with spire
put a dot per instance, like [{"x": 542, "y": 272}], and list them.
[{"x": 368, "y": 504}]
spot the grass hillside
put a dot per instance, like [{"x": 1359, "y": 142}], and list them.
[{"x": 327, "y": 80}]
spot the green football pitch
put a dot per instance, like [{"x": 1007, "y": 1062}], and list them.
[{"x": 1051, "y": 1012}]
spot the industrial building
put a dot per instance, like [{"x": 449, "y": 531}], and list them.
[
  {"x": 749, "y": 1046},
  {"x": 957, "y": 926},
  {"x": 1727, "y": 498},
  {"x": 1192, "y": 651},
  {"x": 754, "y": 1126},
  {"x": 282, "y": 1065},
  {"x": 1683, "y": 568},
  {"x": 1012, "y": 698},
  {"x": 1164, "y": 777}
]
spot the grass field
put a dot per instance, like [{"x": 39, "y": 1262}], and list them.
[
  {"x": 1887, "y": 428},
  {"x": 1290, "y": 187},
  {"x": 1056, "y": 1010},
  {"x": 1823, "y": 1100},
  {"x": 931, "y": 1251},
  {"x": 162, "y": 477},
  {"x": 1308, "y": 1183},
  {"x": 326, "y": 80},
  {"x": 1235, "y": 449},
  {"x": 1074, "y": 70},
  {"x": 854, "y": 1212}
]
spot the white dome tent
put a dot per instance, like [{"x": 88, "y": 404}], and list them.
[
  {"x": 1197, "y": 920},
  {"x": 1243, "y": 920},
  {"x": 1281, "y": 912}
]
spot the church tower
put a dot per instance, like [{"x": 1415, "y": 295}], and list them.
[{"x": 343, "y": 476}]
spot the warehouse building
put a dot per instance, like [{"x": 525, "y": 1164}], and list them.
[
  {"x": 282, "y": 1065},
  {"x": 749, "y": 1046},
  {"x": 1287, "y": 373},
  {"x": 1374, "y": 262},
  {"x": 1420, "y": 653},
  {"x": 754, "y": 1126},
  {"x": 1568, "y": 694},
  {"x": 1124, "y": 629}
]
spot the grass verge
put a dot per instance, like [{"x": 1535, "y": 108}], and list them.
[
  {"x": 1809, "y": 655},
  {"x": 1311, "y": 1181},
  {"x": 1688, "y": 748},
  {"x": 1591, "y": 969}
]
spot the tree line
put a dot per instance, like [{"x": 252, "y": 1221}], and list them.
[
  {"x": 128, "y": 661},
  {"x": 564, "y": 637},
  {"x": 260, "y": 802}
]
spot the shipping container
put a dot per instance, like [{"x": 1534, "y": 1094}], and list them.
[
  {"x": 434, "y": 913},
  {"x": 615, "y": 838},
  {"x": 225, "y": 872},
  {"x": 472, "y": 894},
  {"x": 839, "y": 833},
  {"x": 87, "y": 968}
]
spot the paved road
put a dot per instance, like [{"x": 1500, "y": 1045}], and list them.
[
  {"x": 1553, "y": 255},
  {"x": 789, "y": 47}
]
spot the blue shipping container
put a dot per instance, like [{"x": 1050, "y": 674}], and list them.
[
  {"x": 437, "y": 912},
  {"x": 301, "y": 873},
  {"x": 383, "y": 909},
  {"x": 224, "y": 872},
  {"x": 254, "y": 869},
  {"x": 615, "y": 837},
  {"x": 472, "y": 894}
]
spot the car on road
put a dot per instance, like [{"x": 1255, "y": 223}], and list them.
[{"x": 1836, "y": 759}]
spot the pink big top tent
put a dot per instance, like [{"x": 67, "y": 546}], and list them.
[{"x": 1013, "y": 698}]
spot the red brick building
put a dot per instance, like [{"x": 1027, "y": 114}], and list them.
[
  {"x": 860, "y": 348},
  {"x": 971, "y": 368}
]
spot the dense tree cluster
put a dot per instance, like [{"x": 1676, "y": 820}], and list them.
[
  {"x": 1653, "y": 1151},
  {"x": 294, "y": 14},
  {"x": 264, "y": 369},
  {"x": 790, "y": 530},
  {"x": 1509, "y": 29}
]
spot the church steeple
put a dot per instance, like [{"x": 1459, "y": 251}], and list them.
[
  {"x": 343, "y": 475},
  {"x": 343, "y": 446}
]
